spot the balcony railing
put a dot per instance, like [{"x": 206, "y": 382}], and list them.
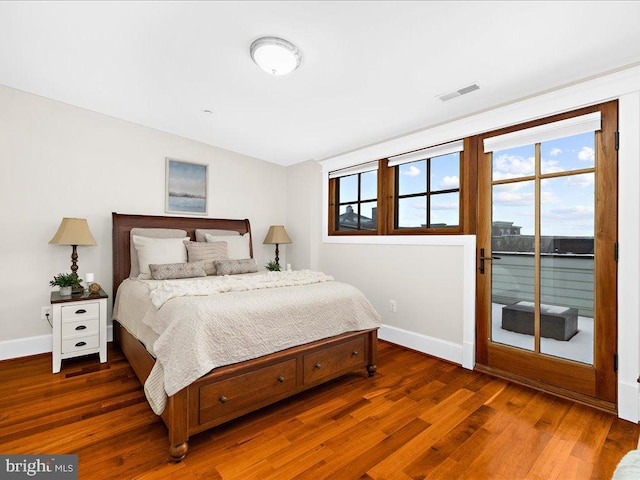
[{"x": 565, "y": 279}]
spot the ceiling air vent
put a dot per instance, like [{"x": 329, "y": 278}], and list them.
[{"x": 456, "y": 93}]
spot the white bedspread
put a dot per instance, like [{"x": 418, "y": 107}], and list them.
[
  {"x": 163, "y": 292},
  {"x": 199, "y": 332}
]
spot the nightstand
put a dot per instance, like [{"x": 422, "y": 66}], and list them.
[{"x": 79, "y": 326}]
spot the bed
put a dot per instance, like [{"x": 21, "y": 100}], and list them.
[{"x": 233, "y": 390}]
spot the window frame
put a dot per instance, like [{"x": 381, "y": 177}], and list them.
[
  {"x": 334, "y": 208},
  {"x": 428, "y": 194},
  {"x": 359, "y": 201},
  {"x": 387, "y": 200}
]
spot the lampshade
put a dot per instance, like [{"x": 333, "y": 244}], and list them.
[
  {"x": 277, "y": 234},
  {"x": 275, "y": 56},
  {"x": 73, "y": 231}
]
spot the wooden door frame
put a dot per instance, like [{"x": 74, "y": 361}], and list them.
[{"x": 597, "y": 384}]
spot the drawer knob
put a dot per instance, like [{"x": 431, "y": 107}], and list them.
[
  {"x": 81, "y": 327},
  {"x": 281, "y": 379},
  {"x": 223, "y": 399},
  {"x": 81, "y": 344},
  {"x": 82, "y": 310},
  {"x": 318, "y": 366},
  {"x": 354, "y": 353}
]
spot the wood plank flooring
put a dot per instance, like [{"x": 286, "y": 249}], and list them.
[{"x": 417, "y": 418}]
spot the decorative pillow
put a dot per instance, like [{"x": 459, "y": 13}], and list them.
[
  {"x": 233, "y": 267},
  {"x": 159, "y": 251},
  {"x": 151, "y": 233},
  {"x": 200, "y": 234},
  {"x": 208, "y": 252},
  {"x": 237, "y": 246},
  {"x": 168, "y": 271}
]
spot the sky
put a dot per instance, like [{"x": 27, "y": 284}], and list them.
[
  {"x": 445, "y": 175},
  {"x": 567, "y": 207}
]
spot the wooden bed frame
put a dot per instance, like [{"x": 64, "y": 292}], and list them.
[{"x": 229, "y": 392}]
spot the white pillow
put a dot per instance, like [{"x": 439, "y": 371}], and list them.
[
  {"x": 200, "y": 233},
  {"x": 237, "y": 246},
  {"x": 151, "y": 233},
  {"x": 159, "y": 251}
]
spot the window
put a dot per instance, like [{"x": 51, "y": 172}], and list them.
[
  {"x": 417, "y": 192},
  {"x": 356, "y": 195},
  {"x": 428, "y": 193}
]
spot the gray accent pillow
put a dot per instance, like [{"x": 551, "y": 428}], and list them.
[
  {"x": 200, "y": 233},
  {"x": 151, "y": 233},
  {"x": 169, "y": 271},
  {"x": 209, "y": 252},
  {"x": 234, "y": 267}
]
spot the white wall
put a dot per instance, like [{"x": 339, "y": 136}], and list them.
[
  {"x": 57, "y": 160},
  {"x": 304, "y": 195},
  {"x": 427, "y": 316},
  {"x": 406, "y": 274}
]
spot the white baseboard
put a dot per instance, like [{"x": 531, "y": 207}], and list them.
[
  {"x": 23, "y": 347},
  {"x": 450, "y": 351},
  {"x": 629, "y": 401}
]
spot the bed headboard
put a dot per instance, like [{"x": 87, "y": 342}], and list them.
[{"x": 122, "y": 225}]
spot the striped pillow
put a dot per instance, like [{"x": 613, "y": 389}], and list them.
[{"x": 209, "y": 252}]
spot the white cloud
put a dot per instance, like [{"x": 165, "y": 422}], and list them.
[
  {"x": 550, "y": 166},
  {"x": 555, "y": 151},
  {"x": 513, "y": 199},
  {"x": 579, "y": 180},
  {"x": 565, "y": 213},
  {"x": 504, "y": 176},
  {"x": 513, "y": 164},
  {"x": 548, "y": 197},
  {"x": 587, "y": 154},
  {"x": 512, "y": 187},
  {"x": 444, "y": 206},
  {"x": 412, "y": 172},
  {"x": 450, "y": 182}
]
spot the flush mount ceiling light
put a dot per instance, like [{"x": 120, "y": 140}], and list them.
[{"x": 275, "y": 56}]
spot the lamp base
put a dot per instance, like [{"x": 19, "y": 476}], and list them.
[{"x": 76, "y": 290}]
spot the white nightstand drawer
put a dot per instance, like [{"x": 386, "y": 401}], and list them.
[
  {"x": 82, "y": 328},
  {"x": 71, "y": 313},
  {"x": 80, "y": 343}
]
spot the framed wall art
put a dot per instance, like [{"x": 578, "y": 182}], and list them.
[{"x": 186, "y": 187}]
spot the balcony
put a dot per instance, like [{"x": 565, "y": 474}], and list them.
[{"x": 566, "y": 280}]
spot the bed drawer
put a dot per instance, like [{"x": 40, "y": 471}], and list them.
[
  {"x": 223, "y": 398},
  {"x": 333, "y": 360}
]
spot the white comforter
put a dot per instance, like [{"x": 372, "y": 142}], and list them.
[{"x": 199, "y": 332}]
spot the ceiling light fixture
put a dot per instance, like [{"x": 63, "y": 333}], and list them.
[{"x": 275, "y": 56}]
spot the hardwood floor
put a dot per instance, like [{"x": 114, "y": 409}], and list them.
[{"x": 417, "y": 418}]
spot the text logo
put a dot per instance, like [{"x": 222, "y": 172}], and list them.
[{"x": 50, "y": 467}]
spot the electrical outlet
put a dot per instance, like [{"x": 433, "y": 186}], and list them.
[
  {"x": 44, "y": 311},
  {"x": 393, "y": 306}
]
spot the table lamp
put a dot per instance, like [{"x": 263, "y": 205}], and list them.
[
  {"x": 74, "y": 232},
  {"x": 277, "y": 235}
]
